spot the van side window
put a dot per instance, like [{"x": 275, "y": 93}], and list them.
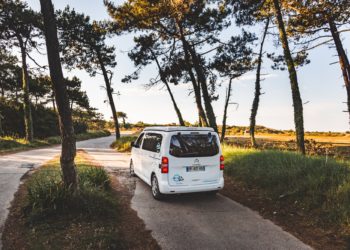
[
  {"x": 152, "y": 142},
  {"x": 138, "y": 141}
]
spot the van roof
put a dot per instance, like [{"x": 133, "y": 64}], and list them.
[{"x": 178, "y": 128}]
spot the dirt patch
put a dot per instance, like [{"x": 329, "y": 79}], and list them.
[
  {"x": 125, "y": 230},
  {"x": 295, "y": 221}
]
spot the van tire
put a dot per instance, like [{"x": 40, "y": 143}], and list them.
[
  {"x": 131, "y": 169},
  {"x": 155, "y": 188},
  {"x": 212, "y": 193}
]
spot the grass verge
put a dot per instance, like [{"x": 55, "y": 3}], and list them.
[
  {"x": 10, "y": 144},
  {"x": 45, "y": 215},
  {"x": 308, "y": 196},
  {"x": 123, "y": 144}
]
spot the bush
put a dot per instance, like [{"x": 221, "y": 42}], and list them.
[
  {"x": 123, "y": 144},
  {"x": 94, "y": 177},
  {"x": 8, "y": 142},
  {"x": 314, "y": 183},
  {"x": 47, "y": 195}
]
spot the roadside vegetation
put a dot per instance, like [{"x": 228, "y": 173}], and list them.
[
  {"x": 297, "y": 189},
  {"x": 45, "y": 213},
  {"x": 11, "y": 144},
  {"x": 123, "y": 144},
  {"x": 337, "y": 147}
]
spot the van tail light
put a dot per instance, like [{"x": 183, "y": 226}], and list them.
[
  {"x": 164, "y": 166},
  {"x": 222, "y": 165}
]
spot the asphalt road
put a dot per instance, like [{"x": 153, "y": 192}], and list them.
[
  {"x": 180, "y": 222},
  {"x": 199, "y": 221}
]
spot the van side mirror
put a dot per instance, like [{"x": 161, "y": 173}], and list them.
[{"x": 132, "y": 144}]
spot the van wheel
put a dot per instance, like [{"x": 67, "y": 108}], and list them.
[
  {"x": 155, "y": 189},
  {"x": 131, "y": 169},
  {"x": 212, "y": 193}
]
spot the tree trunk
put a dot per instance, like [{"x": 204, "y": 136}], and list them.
[
  {"x": 207, "y": 99},
  {"x": 343, "y": 60},
  {"x": 110, "y": 96},
  {"x": 123, "y": 122},
  {"x": 257, "y": 93},
  {"x": 164, "y": 80},
  {"x": 203, "y": 84},
  {"x": 297, "y": 102},
  {"x": 54, "y": 103},
  {"x": 68, "y": 150},
  {"x": 2, "y": 90},
  {"x": 227, "y": 101},
  {"x": 203, "y": 121},
  {"x": 196, "y": 87},
  {"x": 177, "y": 110},
  {"x": 1, "y": 131},
  {"x": 28, "y": 121},
  {"x": 197, "y": 93}
]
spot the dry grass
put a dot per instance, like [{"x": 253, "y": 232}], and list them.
[{"x": 331, "y": 146}]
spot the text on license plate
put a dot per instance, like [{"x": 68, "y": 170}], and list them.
[{"x": 195, "y": 168}]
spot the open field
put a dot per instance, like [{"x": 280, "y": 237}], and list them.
[
  {"x": 337, "y": 146},
  {"x": 340, "y": 140}
]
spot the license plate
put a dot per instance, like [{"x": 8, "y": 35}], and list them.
[{"x": 195, "y": 168}]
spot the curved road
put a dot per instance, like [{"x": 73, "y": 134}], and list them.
[{"x": 180, "y": 222}]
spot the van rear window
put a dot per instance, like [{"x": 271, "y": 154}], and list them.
[{"x": 193, "y": 145}]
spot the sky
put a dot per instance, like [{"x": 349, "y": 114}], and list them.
[{"x": 321, "y": 87}]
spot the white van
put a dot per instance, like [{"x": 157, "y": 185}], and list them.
[{"x": 178, "y": 160}]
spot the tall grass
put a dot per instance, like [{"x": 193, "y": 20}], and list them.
[
  {"x": 123, "y": 144},
  {"x": 47, "y": 195},
  {"x": 314, "y": 183}
]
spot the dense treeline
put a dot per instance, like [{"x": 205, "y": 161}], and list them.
[
  {"x": 27, "y": 101},
  {"x": 42, "y": 105}
]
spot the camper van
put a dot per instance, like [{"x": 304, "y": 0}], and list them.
[{"x": 175, "y": 160}]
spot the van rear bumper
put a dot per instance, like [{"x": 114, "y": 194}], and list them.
[{"x": 165, "y": 188}]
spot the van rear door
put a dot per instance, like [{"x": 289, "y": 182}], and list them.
[{"x": 194, "y": 159}]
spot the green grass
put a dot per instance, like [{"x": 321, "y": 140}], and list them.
[
  {"x": 124, "y": 143},
  {"x": 55, "y": 216},
  {"x": 47, "y": 195},
  {"x": 314, "y": 184},
  {"x": 10, "y": 144}
]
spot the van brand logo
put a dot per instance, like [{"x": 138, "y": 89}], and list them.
[
  {"x": 196, "y": 162},
  {"x": 178, "y": 178}
]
